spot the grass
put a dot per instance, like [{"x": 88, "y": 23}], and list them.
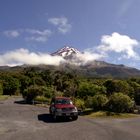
[
  {"x": 3, "y": 97},
  {"x": 42, "y": 99},
  {"x": 106, "y": 114}
]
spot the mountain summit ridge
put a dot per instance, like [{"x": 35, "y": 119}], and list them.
[{"x": 66, "y": 52}]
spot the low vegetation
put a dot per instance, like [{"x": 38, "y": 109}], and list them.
[
  {"x": 3, "y": 97},
  {"x": 104, "y": 114},
  {"x": 98, "y": 94}
]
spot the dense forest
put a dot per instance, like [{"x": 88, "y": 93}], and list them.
[{"x": 112, "y": 94}]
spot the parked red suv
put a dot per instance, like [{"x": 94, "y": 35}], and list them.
[{"x": 63, "y": 107}]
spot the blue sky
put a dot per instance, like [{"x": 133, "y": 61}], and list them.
[{"x": 108, "y": 30}]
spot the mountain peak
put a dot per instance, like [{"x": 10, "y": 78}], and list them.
[{"x": 66, "y": 52}]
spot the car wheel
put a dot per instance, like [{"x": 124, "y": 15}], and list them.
[
  {"x": 55, "y": 117},
  {"x": 74, "y": 117}
]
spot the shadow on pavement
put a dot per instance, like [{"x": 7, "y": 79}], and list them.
[
  {"x": 47, "y": 118},
  {"x": 20, "y": 102}
]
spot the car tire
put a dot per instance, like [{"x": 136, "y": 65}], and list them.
[
  {"x": 74, "y": 118},
  {"x": 55, "y": 117}
]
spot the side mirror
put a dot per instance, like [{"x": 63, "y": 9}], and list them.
[{"x": 52, "y": 103}]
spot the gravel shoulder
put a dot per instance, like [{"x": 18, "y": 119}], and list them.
[{"x": 19, "y": 121}]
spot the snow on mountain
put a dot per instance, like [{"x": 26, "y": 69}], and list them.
[{"x": 66, "y": 52}]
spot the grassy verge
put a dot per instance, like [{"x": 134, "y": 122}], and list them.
[
  {"x": 3, "y": 97},
  {"x": 41, "y": 101},
  {"x": 106, "y": 114}
]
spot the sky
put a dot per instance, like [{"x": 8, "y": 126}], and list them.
[{"x": 108, "y": 30}]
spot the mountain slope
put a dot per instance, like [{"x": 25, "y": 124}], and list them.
[{"x": 90, "y": 69}]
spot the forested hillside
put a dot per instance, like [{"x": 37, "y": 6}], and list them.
[{"x": 118, "y": 95}]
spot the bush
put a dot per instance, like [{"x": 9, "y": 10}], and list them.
[
  {"x": 99, "y": 101},
  {"x": 89, "y": 89},
  {"x": 42, "y": 99},
  {"x": 32, "y": 92},
  {"x": 80, "y": 104},
  {"x": 120, "y": 103},
  {"x": 89, "y": 102},
  {"x": 117, "y": 86},
  {"x": 1, "y": 89},
  {"x": 10, "y": 85},
  {"x": 48, "y": 92}
]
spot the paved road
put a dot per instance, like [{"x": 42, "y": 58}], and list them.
[{"x": 25, "y": 122}]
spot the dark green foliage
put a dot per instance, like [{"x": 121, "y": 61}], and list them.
[
  {"x": 32, "y": 92},
  {"x": 48, "y": 92},
  {"x": 10, "y": 85},
  {"x": 99, "y": 101},
  {"x": 47, "y": 76},
  {"x": 38, "y": 81},
  {"x": 117, "y": 86},
  {"x": 25, "y": 82},
  {"x": 1, "y": 89},
  {"x": 89, "y": 89},
  {"x": 80, "y": 104},
  {"x": 89, "y": 102},
  {"x": 120, "y": 103},
  {"x": 136, "y": 91}
]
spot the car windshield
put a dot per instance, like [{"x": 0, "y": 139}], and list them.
[{"x": 63, "y": 101}]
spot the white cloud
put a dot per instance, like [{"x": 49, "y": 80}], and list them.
[
  {"x": 38, "y": 35},
  {"x": 86, "y": 57},
  {"x": 23, "y": 56},
  {"x": 119, "y": 44},
  {"x": 30, "y": 34},
  {"x": 61, "y": 23},
  {"x": 11, "y": 33}
]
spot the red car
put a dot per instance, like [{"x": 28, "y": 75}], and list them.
[{"x": 63, "y": 107}]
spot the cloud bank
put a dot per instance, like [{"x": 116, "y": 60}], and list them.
[
  {"x": 122, "y": 45},
  {"x": 24, "y": 56}
]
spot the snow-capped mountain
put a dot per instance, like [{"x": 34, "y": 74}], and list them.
[
  {"x": 81, "y": 64},
  {"x": 66, "y": 52}
]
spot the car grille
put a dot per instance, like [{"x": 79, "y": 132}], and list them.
[{"x": 67, "y": 109}]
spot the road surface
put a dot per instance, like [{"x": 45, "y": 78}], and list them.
[{"x": 19, "y": 121}]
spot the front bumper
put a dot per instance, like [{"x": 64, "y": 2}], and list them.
[{"x": 69, "y": 114}]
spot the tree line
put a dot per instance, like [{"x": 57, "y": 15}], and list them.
[{"x": 117, "y": 95}]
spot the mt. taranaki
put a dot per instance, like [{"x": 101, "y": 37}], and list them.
[{"x": 74, "y": 61}]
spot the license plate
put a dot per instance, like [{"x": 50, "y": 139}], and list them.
[{"x": 67, "y": 114}]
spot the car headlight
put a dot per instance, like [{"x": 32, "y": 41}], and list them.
[
  {"x": 58, "y": 109},
  {"x": 75, "y": 109}
]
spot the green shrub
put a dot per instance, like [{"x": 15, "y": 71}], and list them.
[
  {"x": 89, "y": 102},
  {"x": 80, "y": 103},
  {"x": 99, "y": 101},
  {"x": 48, "y": 91},
  {"x": 32, "y": 92},
  {"x": 1, "y": 89},
  {"x": 89, "y": 89},
  {"x": 42, "y": 99},
  {"x": 120, "y": 103},
  {"x": 10, "y": 85}
]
